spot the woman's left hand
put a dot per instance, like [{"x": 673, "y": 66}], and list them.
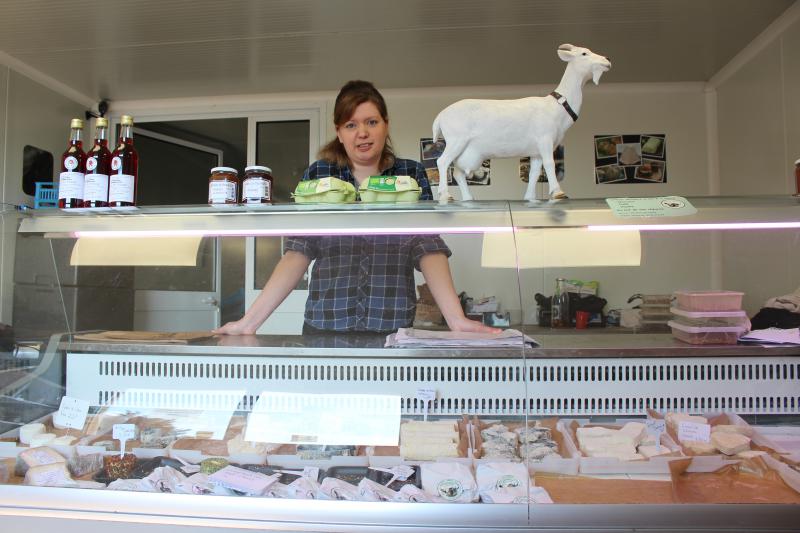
[{"x": 465, "y": 324}]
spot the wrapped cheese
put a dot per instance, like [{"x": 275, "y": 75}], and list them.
[
  {"x": 730, "y": 443},
  {"x": 452, "y": 482}
]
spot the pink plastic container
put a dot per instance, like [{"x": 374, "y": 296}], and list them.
[
  {"x": 709, "y": 300},
  {"x": 708, "y": 335}
]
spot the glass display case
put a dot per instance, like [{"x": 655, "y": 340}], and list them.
[{"x": 575, "y": 417}]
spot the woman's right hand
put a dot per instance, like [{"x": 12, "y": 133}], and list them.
[{"x": 238, "y": 327}]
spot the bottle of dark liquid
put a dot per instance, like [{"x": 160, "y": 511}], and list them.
[
  {"x": 124, "y": 167},
  {"x": 73, "y": 165},
  {"x": 560, "y": 307},
  {"x": 98, "y": 168}
]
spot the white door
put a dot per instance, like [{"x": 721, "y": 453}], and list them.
[
  {"x": 286, "y": 141},
  {"x": 179, "y": 298}
]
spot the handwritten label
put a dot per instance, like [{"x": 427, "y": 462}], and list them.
[
  {"x": 235, "y": 478},
  {"x": 426, "y": 395},
  {"x": 694, "y": 432},
  {"x": 123, "y": 433},
  {"x": 311, "y": 472},
  {"x": 655, "y": 426},
  {"x": 661, "y": 206},
  {"x": 71, "y": 413}
]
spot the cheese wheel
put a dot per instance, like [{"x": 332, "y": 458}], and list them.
[
  {"x": 29, "y": 430},
  {"x": 41, "y": 439}
]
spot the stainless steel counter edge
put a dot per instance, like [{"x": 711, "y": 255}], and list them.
[
  {"x": 556, "y": 347},
  {"x": 337, "y": 516}
]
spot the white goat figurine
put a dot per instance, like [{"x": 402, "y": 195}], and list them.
[{"x": 476, "y": 130}]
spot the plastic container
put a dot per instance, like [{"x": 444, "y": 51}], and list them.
[
  {"x": 709, "y": 300},
  {"x": 46, "y": 195},
  {"x": 389, "y": 189},
  {"x": 711, "y": 319},
  {"x": 328, "y": 190},
  {"x": 708, "y": 335}
]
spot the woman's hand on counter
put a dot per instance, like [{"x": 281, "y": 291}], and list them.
[
  {"x": 238, "y": 327},
  {"x": 463, "y": 323}
]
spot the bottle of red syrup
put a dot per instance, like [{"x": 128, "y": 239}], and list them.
[
  {"x": 124, "y": 168},
  {"x": 98, "y": 168},
  {"x": 73, "y": 165}
]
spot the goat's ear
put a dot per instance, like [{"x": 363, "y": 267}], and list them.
[{"x": 565, "y": 52}]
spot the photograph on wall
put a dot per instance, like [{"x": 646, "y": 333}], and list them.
[
  {"x": 429, "y": 152},
  {"x": 558, "y": 157},
  {"x": 630, "y": 158}
]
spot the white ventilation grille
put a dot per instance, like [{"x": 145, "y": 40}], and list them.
[{"x": 480, "y": 386}]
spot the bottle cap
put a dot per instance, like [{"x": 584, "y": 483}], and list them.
[
  {"x": 258, "y": 167},
  {"x": 224, "y": 169},
  {"x": 76, "y": 123},
  {"x": 126, "y": 120},
  {"x": 101, "y": 121}
]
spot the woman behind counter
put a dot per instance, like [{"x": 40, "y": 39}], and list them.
[{"x": 360, "y": 283}]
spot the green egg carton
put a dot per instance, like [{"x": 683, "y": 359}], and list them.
[
  {"x": 328, "y": 190},
  {"x": 389, "y": 189}
]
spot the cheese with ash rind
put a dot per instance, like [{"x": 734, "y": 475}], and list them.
[
  {"x": 730, "y": 443},
  {"x": 50, "y": 475},
  {"x": 41, "y": 456}
]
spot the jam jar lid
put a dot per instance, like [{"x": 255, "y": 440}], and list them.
[
  {"x": 258, "y": 167},
  {"x": 225, "y": 169}
]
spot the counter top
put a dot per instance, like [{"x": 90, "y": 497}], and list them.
[{"x": 553, "y": 344}]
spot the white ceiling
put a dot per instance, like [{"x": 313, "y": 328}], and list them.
[{"x": 135, "y": 49}]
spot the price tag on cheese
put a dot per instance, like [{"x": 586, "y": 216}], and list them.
[
  {"x": 692, "y": 431},
  {"x": 655, "y": 427},
  {"x": 426, "y": 396},
  {"x": 71, "y": 413},
  {"x": 311, "y": 472},
  {"x": 123, "y": 433}
]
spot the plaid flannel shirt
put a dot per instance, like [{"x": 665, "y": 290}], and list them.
[{"x": 365, "y": 283}]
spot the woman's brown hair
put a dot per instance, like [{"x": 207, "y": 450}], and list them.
[{"x": 353, "y": 94}]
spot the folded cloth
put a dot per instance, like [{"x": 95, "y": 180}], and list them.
[
  {"x": 413, "y": 337},
  {"x": 769, "y": 317},
  {"x": 790, "y": 302}
]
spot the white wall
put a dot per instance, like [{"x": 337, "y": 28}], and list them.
[
  {"x": 759, "y": 140},
  {"x": 29, "y": 114}
]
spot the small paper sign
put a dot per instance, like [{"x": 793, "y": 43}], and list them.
[
  {"x": 694, "y": 432},
  {"x": 232, "y": 477},
  {"x": 311, "y": 472},
  {"x": 124, "y": 431},
  {"x": 655, "y": 426},
  {"x": 661, "y": 206},
  {"x": 426, "y": 395},
  {"x": 71, "y": 413}
]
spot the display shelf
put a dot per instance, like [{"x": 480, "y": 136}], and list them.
[{"x": 424, "y": 217}]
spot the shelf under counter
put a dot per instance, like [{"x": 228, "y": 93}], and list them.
[{"x": 553, "y": 344}]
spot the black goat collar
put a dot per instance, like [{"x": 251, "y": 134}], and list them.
[{"x": 563, "y": 101}]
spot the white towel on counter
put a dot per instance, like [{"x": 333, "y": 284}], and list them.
[{"x": 790, "y": 302}]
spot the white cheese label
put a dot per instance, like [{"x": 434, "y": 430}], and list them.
[
  {"x": 120, "y": 188},
  {"x": 70, "y": 185},
  {"x": 691, "y": 431},
  {"x": 71, "y": 413},
  {"x": 426, "y": 395},
  {"x": 235, "y": 478},
  {"x": 655, "y": 426},
  {"x": 124, "y": 431},
  {"x": 311, "y": 472}
]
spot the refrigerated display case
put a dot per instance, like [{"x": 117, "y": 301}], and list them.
[{"x": 325, "y": 405}]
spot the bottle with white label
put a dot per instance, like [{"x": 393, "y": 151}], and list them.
[
  {"x": 98, "y": 167},
  {"x": 124, "y": 167},
  {"x": 73, "y": 165}
]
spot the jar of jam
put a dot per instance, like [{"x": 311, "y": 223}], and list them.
[
  {"x": 257, "y": 185},
  {"x": 223, "y": 186}
]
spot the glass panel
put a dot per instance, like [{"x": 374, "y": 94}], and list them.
[
  {"x": 283, "y": 147},
  {"x": 269, "y": 251},
  {"x": 198, "y": 277}
]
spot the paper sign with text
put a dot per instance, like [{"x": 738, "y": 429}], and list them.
[
  {"x": 691, "y": 431},
  {"x": 71, "y": 413}
]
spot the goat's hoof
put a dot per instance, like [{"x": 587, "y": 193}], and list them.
[{"x": 560, "y": 195}]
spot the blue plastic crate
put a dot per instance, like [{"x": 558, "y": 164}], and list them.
[{"x": 46, "y": 195}]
